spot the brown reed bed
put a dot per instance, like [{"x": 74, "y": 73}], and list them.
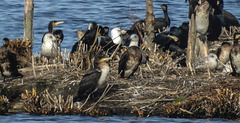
[{"x": 159, "y": 88}]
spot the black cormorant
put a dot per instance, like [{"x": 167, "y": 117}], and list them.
[
  {"x": 130, "y": 59},
  {"x": 106, "y": 42},
  {"x": 235, "y": 56},
  {"x": 162, "y": 23},
  {"x": 8, "y": 62},
  {"x": 50, "y": 48},
  {"x": 93, "y": 79},
  {"x": 223, "y": 54},
  {"x": 89, "y": 36}
]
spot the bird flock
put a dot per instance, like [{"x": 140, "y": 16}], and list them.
[{"x": 208, "y": 25}]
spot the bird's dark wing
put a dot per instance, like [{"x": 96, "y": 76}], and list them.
[
  {"x": 89, "y": 82},
  {"x": 122, "y": 63}
]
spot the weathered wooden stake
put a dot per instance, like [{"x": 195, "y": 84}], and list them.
[
  {"x": 191, "y": 43},
  {"x": 149, "y": 24},
  {"x": 28, "y": 20}
]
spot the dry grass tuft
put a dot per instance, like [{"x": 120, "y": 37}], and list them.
[
  {"x": 220, "y": 103},
  {"x": 4, "y": 104},
  {"x": 44, "y": 103}
]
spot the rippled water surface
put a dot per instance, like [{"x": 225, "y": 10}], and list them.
[
  {"x": 77, "y": 14},
  {"x": 19, "y": 118}
]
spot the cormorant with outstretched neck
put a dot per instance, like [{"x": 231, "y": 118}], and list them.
[
  {"x": 8, "y": 62},
  {"x": 130, "y": 59},
  {"x": 93, "y": 79},
  {"x": 235, "y": 56},
  {"x": 162, "y": 23}
]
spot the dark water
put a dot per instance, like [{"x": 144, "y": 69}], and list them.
[
  {"x": 20, "y": 118},
  {"x": 77, "y": 14}
]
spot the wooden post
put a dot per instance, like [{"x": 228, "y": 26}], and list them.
[
  {"x": 191, "y": 43},
  {"x": 28, "y": 20},
  {"x": 149, "y": 24}
]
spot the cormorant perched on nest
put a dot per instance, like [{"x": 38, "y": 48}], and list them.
[
  {"x": 49, "y": 46},
  {"x": 202, "y": 19},
  {"x": 57, "y": 33},
  {"x": 93, "y": 79},
  {"x": 227, "y": 19},
  {"x": 106, "y": 41},
  {"x": 89, "y": 36},
  {"x": 223, "y": 54},
  {"x": 162, "y": 23},
  {"x": 130, "y": 59},
  {"x": 235, "y": 56},
  {"x": 8, "y": 62}
]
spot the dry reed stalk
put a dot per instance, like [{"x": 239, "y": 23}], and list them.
[{"x": 33, "y": 67}]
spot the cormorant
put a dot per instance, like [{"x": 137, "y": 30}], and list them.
[
  {"x": 235, "y": 56},
  {"x": 8, "y": 62},
  {"x": 164, "y": 41},
  {"x": 162, "y": 23},
  {"x": 93, "y": 79},
  {"x": 89, "y": 36},
  {"x": 223, "y": 54},
  {"x": 49, "y": 46},
  {"x": 130, "y": 59},
  {"x": 57, "y": 33},
  {"x": 202, "y": 19},
  {"x": 206, "y": 62},
  {"x": 106, "y": 42}
]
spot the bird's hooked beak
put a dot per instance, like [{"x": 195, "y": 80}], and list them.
[
  {"x": 105, "y": 59},
  {"x": 164, "y": 8},
  {"x": 236, "y": 37},
  {"x": 175, "y": 38},
  {"x": 58, "y": 22}
]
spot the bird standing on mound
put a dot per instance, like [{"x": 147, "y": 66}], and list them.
[
  {"x": 223, "y": 53},
  {"x": 8, "y": 62},
  {"x": 130, "y": 59},
  {"x": 51, "y": 41},
  {"x": 206, "y": 62},
  {"x": 57, "y": 33},
  {"x": 235, "y": 56},
  {"x": 89, "y": 37},
  {"x": 93, "y": 79},
  {"x": 49, "y": 46},
  {"x": 162, "y": 23}
]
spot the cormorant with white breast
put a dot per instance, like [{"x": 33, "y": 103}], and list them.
[
  {"x": 51, "y": 41},
  {"x": 93, "y": 79},
  {"x": 235, "y": 56},
  {"x": 8, "y": 62},
  {"x": 130, "y": 59}
]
